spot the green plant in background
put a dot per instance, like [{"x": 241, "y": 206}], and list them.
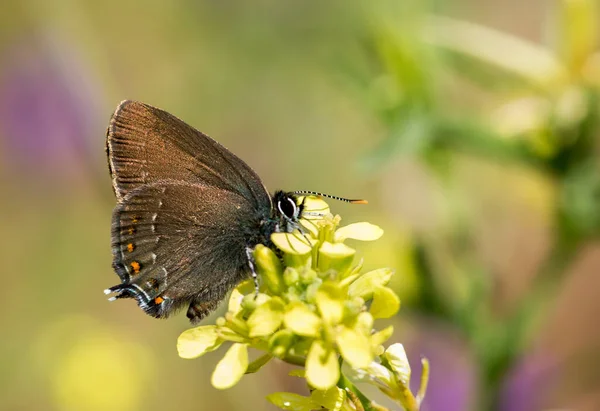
[
  {"x": 545, "y": 117},
  {"x": 316, "y": 309}
]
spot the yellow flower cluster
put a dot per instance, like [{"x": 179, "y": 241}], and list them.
[{"x": 312, "y": 311}]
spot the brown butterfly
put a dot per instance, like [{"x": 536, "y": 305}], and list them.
[{"x": 188, "y": 215}]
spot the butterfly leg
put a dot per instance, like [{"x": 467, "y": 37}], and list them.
[{"x": 249, "y": 254}]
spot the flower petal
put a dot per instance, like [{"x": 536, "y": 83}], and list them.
[
  {"x": 396, "y": 356},
  {"x": 364, "y": 323},
  {"x": 330, "y": 301},
  {"x": 322, "y": 371},
  {"x": 385, "y": 303},
  {"x": 235, "y": 301},
  {"x": 375, "y": 374},
  {"x": 314, "y": 210},
  {"x": 291, "y": 243},
  {"x": 314, "y": 207},
  {"x": 366, "y": 283},
  {"x": 267, "y": 318},
  {"x": 335, "y": 256},
  {"x": 231, "y": 368},
  {"x": 302, "y": 320},
  {"x": 382, "y": 336},
  {"x": 355, "y": 347},
  {"x": 196, "y": 342},
  {"x": 358, "y": 231}
]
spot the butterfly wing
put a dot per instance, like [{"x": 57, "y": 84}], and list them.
[
  {"x": 146, "y": 145},
  {"x": 177, "y": 243}
]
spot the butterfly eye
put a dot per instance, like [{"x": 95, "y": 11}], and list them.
[{"x": 287, "y": 206}]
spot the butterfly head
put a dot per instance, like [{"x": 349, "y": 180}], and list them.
[{"x": 287, "y": 211}]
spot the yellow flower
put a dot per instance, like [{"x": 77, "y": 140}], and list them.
[{"x": 315, "y": 309}]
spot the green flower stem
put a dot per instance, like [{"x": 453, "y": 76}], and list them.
[
  {"x": 236, "y": 325},
  {"x": 346, "y": 385},
  {"x": 356, "y": 401},
  {"x": 229, "y": 335},
  {"x": 295, "y": 360},
  {"x": 547, "y": 282},
  {"x": 408, "y": 401}
]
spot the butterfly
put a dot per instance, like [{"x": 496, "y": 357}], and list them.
[{"x": 189, "y": 213}]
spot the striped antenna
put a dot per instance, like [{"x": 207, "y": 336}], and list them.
[{"x": 346, "y": 200}]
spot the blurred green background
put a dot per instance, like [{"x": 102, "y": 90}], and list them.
[{"x": 472, "y": 127}]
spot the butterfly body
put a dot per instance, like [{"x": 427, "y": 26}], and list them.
[{"x": 188, "y": 213}]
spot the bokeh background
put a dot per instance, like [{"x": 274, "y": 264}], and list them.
[{"x": 472, "y": 126}]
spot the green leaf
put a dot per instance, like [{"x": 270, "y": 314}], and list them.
[
  {"x": 269, "y": 267},
  {"x": 302, "y": 320},
  {"x": 331, "y": 399},
  {"x": 231, "y": 368},
  {"x": 322, "y": 370},
  {"x": 267, "y": 318},
  {"x": 355, "y": 347},
  {"x": 396, "y": 356},
  {"x": 358, "y": 231},
  {"x": 291, "y": 401},
  {"x": 330, "y": 299},
  {"x": 335, "y": 256},
  {"x": 257, "y": 364},
  {"x": 365, "y": 285},
  {"x": 196, "y": 342},
  {"x": 385, "y": 303}
]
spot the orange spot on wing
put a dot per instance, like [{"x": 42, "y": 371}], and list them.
[
  {"x": 136, "y": 267},
  {"x": 134, "y": 220},
  {"x": 159, "y": 300},
  {"x": 130, "y": 247},
  {"x": 131, "y": 230}
]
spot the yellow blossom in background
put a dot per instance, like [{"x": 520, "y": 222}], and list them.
[{"x": 88, "y": 368}]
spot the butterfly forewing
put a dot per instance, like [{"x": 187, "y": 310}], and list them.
[
  {"x": 177, "y": 243},
  {"x": 187, "y": 211},
  {"x": 146, "y": 145}
]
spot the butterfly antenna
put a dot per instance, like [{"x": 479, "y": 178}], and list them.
[{"x": 346, "y": 200}]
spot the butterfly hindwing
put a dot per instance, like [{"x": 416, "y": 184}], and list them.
[{"x": 177, "y": 243}]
